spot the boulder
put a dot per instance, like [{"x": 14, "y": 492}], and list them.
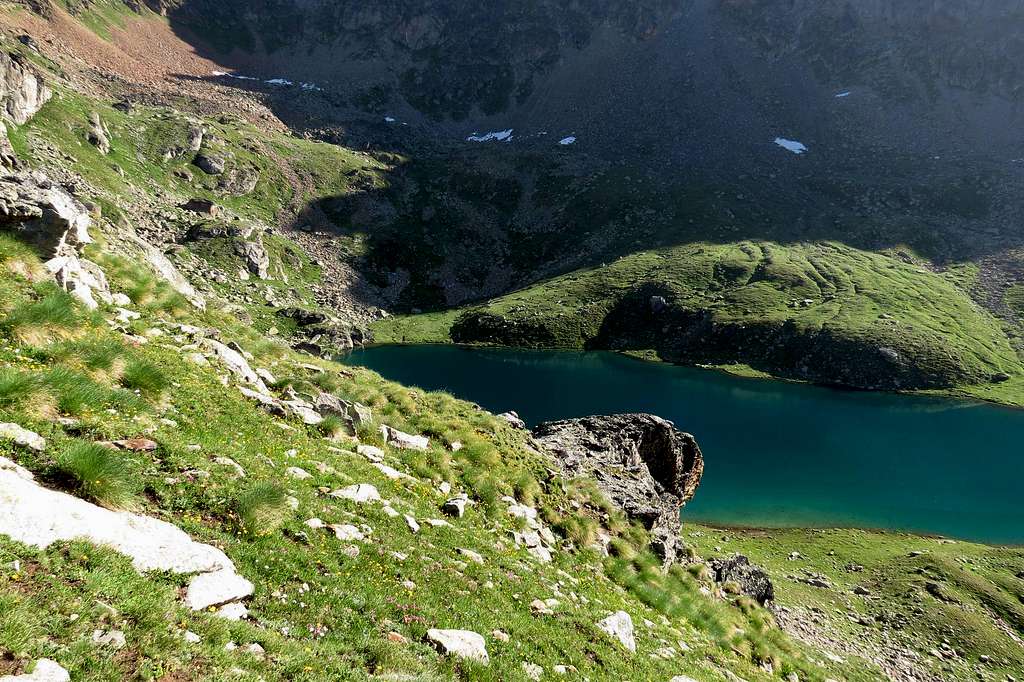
[
  {"x": 753, "y": 580},
  {"x": 257, "y": 260},
  {"x": 45, "y": 670},
  {"x": 619, "y": 626},
  {"x": 97, "y": 134},
  {"x": 43, "y": 213},
  {"x": 513, "y": 418},
  {"x": 460, "y": 643},
  {"x": 402, "y": 440},
  {"x": 645, "y": 466},
  {"x": 361, "y": 493},
  {"x": 22, "y": 437},
  {"x": 211, "y": 164}
]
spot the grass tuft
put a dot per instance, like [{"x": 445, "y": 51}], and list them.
[
  {"x": 53, "y": 317},
  {"x": 146, "y": 378},
  {"x": 262, "y": 508},
  {"x": 100, "y": 474}
]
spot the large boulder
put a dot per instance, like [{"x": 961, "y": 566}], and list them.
[
  {"x": 646, "y": 466},
  {"x": 43, "y": 213},
  {"x": 752, "y": 580}
]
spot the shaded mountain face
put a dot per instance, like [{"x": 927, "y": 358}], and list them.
[{"x": 878, "y": 124}]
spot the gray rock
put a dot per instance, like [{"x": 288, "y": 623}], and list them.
[
  {"x": 22, "y": 90},
  {"x": 361, "y": 493},
  {"x": 257, "y": 260},
  {"x": 753, "y": 580},
  {"x": 646, "y": 466},
  {"x": 22, "y": 437},
  {"x": 114, "y": 638},
  {"x": 211, "y": 164},
  {"x": 43, "y": 213},
  {"x": 97, "y": 134},
  {"x": 402, "y": 440},
  {"x": 455, "y": 507},
  {"x": 513, "y": 418},
  {"x": 460, "y": 643},
  {"x": 620, "y": 627}
]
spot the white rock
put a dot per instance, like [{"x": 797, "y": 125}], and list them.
[
  {"x": 15, "y": 468},
  {"x": 217, "y": 587},
  {"x": 455, "y": 507},
  {"x": 315, "y": 524},
  {"x": 471, "y": 555},
  {"x": 370, "y": 452},
  {"x": 460, "y": 643},
  {"x": 22, "y": 437},
  {"x": 120, "y": 300},
  {"x": 361, "y": 493},
  {"x": 532, "y": 671},
  {"x": 255, "y": 649},
  {"x": 45, "y": 670},
  {"x": 438, "y": 523},
  {"x": 682, "y": 678},
  {"x": 619, "y": 626},
  {"x": 402, "y": 440},
  {"x": 35, "y": 516},
  {"x": 233, "y": 611},
  {"x": 412, "y": 523},
  {"x": 237, "y": 364},
  {"x": 393, "y": 474},
  {"x": 346, "y": 532},
  {"x": 299, "y": 473},
  {"x": 191, "y": 637}
]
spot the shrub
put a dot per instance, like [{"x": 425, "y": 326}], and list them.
[
  {"x": 55, "y": 316},
  {"x": 262, "y": 508},
  {"x": 144, "y": 377},
  {"x": 100, "y": 474}
]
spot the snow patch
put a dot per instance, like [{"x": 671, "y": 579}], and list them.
[
  {"x": 233, "y": 75},
  {"x": 278, "y": 81},
  {"x": 791, "y": 145},
  {"x": 567, "y": 140},
  {"x": 500, "y": 136},
  {"x": 843, "y": 94},
  {"x": 389, "y": 119}
]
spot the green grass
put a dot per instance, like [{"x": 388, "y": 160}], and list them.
[
  {"x": 862, "y": 300},
  {"x": 99, "y": 474},
  {"x": 262, "y": 508},
  {"x": 53, "y": 315},
  {"x": 145, "y": 378}
]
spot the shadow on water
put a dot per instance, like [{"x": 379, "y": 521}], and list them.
[{"x": 777, "y": 454}]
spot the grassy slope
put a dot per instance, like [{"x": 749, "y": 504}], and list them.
[
  {"x": 319, "y": 613},
  {"x": 953, "y": 592},
  {"x": 863, "y": 296}
]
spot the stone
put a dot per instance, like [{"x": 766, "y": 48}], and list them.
[
  {"x": 347, "y": 532},
  {"x": 475, "y": 557},
  {"x": 455, "y": 507},
  {"x": 682, "y": 678},
  {"x": 81, "y": 278},
  {"x": 414, "y": 526},
  {"x": 39, "y": 517},
  {"x": 211, "y": 164},
  {"x": 645, "y": 466},
  {"x": 753, "y": 580},
  {"x": 393, "y": 474},
  {"x": 231, "y": 464},
  {"x": 257, "y": 260},
  {"x": 22, "y": 437},
  {"x": 201, "y": 206},
  {"x": 113, "y": 638},
  {"x": 137, "y": 444},
  {"x": 402, "y": 440},
  {"x": 500, "y": 635},
  {"x": 97, "y": 134},
  {"x": 191, "y": 637},
  {"x": 361, "y": 493},
  {"x": 44, "y": 214},
  {"x": 237, "y": 365},
  {"x": 532, "y": 671},
  {"x": 370, "y": 452},
  {"x": 298, "y": 473},
  {"x": 620, "y": 627},
  {"x": 233, "y": 611},
  {"x": 45, "y": 670},
  {"x": 460, "y": 643},
  {"x": 513, "y": 418}
]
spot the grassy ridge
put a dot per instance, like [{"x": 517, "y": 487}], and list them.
[{"x": 859, "y": 297}]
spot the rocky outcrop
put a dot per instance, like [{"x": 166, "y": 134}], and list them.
[
  {"x": 256, "y": 258},
  {"x": 45, "y": 670},
  {"x": 645, "y": 466},
  {"x": 47, "y": 216},
  {"x": 97, "y": 134},
  {"x": 22, "y": 90}
]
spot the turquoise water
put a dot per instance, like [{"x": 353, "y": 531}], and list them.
[{"x": 776, "y": 454}]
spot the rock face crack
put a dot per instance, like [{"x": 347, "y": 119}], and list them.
[{"x": 646, "y": 466}]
